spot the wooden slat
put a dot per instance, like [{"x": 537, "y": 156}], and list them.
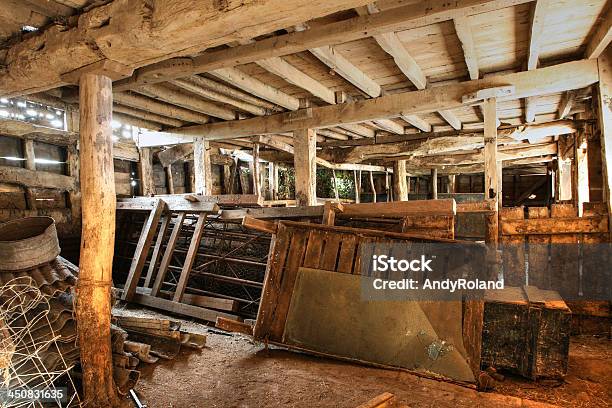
[
  {"x": 513, "y": 255},
  {"x": 190, "y": 258},
  {"x": 234, "y": 326},
  {"x": 556, "y": 226},
  {"x": 157, "y": 248},
  {"x": 180, "y": 308},
  {"x": 313, "y": 249},
  {"x": 165, "y": 262},
  {"x": 538, "y": 252},
  {"x": 259, "y": 225},
  {"x": 142, "y": 250},
  {"x": 346, "y": 257},
  {"x": 274, "y": 272},
  {"x": 330, "y": 251},
  {"x": 400, "y": 209},
  {"x": 296, "y": 257}
]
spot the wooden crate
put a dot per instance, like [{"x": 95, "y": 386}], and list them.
[{"x": 527, "y": 331}]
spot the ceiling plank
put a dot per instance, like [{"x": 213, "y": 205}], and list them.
[
  {"x": 536, "y": 30},
  {"x": 542, "y": 81}
]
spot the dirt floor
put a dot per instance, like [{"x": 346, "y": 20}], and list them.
[{"x": 233, "y": 371}]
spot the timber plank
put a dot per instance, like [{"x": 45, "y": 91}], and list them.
[
  {"x": 556, "y": 226},
  {"x": 330, "y": 251},
  {"x": 277, "y": 256},
  {"x": 180, "y": 308},
  {"x": 190, "y": 258},
  {"x": 538, "y": 247},
  {"x": 165, "y": 262},
  {"x": 399, "y": 209},
  {"x": 142, "y": 250},
  {"x": 513, "y": 255},
  {"x": 157, "y": 248},
  {"x": 297, "y": 249},
  {"x": 314, "y": 248},
  {"x": 346, "y": 257}
]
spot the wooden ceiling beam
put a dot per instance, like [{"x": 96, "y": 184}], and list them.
[
  {"x": 221, "y": 88},
  {"x": 417, "y": 122},
  {"x": 567, "y": 103},
  {"x": 194, "y": 88},
  {"x": 163, "y": 93},
  {"x": 602, "y": 36},
  {"x": 164, "y": 109},
  {"x": 359, "y": 129},
  {"x": 450, "y": 118},
  {"x": 542, "y": 81},
  {"x": 464, "y": 32},
  {"x": 536, "y": 30},
  {"x": 152, "y": 117},
  {"x": 289, "y": 73},
  {"x": 347, "y": 70},
  {"x": 249, "y": 84}
]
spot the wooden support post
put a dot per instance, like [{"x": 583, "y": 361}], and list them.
[
  {"x": 257, "y": 188},
  {"x": 169, "y": 179},
  {"x": 387, "y": 187},
  {"x": 329, "y": 212},
  {"x": 604, "y": 103},
  {"x": 580, "y": 179},
  {"x": 74, "y": 197},
  {"x": 451, "y": 184},
  {"x": 400, "y": 187},
  {"x": 491, "y": 180},
  {"x": 272, "y": 180},
  {"x": 28, "y": 151},
  {"x": 335, "y": 180},
  {"x": 227, "y": 179},
  {"x": 145, "y": 170},
  {"x": 434, "y": 184},
  {"x": 372, "y": 187},
  {"x": 165, "y": 262},
  {"x": 563, "y": 175},
  {"x": 305, "y": 146},
  {"x": 93, "y": 310},
  {"x": 142, "y": 250},
  {"x": 202, "y": 166},
  {"x": 357, "y": 177},
  {"x": 190, "y": 258}
]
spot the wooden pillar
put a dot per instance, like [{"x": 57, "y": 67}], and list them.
[
  {"x": 28, "y": 151},
  {"x": 93, "y": 309},
  {"x": 563, "y": 175},
  {"x": 604, "y": 103},
  {"x": 202, "y": 166},
  {"x": 273, "y": 180},
  {"x": 451, "y": 183},
  {"x": 357, "y": 177},
  {"x": 145, "y": 170},
  {"x": 169, "y": 179},
  {"x": 74, "y": 197},
  {"x": 491, "y": 169},
  {"x": 256, "y": 171},
  {"x": 304, "y": 159},
  {"x": 434, "y": 184},
  {"x": 227, "y": 179},
  {"x": 580, "y": 179},
  {"x": 400, "y": 188},
  {"x": 373, "y": 187},
  {"x": 335, "y": 180}
]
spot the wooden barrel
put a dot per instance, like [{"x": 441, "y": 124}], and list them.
[{"x": 27, "y": 243}]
